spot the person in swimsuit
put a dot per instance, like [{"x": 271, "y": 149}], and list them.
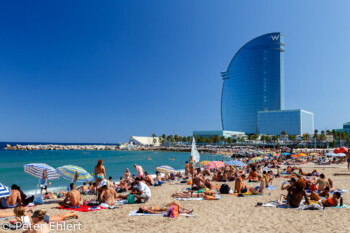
[
  {"x": 333, "y": 201},
  {"x": 348, "y": 158},
  {"x": 191, "y": 167},
  {"x": 127, "y": 175},
  {"x": 240, "y": 186},
  {"x": 108, "y": 194},
  {"x": 14, "y": 199},
  {"x": 194, "y": 195},
  {"x": 164, "y": 209},
  {"x": 38, "y": 221},
  {"x": 140, "y": 172},
  {"x": 322, "y": 183},
  {"x": 74, "y": 196},
  {"x": 187, "y": 169},
  {"x": 100, "y": 172}
]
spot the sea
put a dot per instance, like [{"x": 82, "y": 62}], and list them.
[{"x": 115, "y": 162}]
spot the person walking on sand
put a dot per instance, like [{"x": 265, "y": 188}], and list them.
[
  {"x": 140, "y": 172},
  {"x": 100, "y": 172}
]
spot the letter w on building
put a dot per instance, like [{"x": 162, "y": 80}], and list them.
[{"x": 275, "y": 37}]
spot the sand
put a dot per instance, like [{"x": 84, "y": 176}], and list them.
[{"x": 229, "y": 214}]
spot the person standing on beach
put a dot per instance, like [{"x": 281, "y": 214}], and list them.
[
  {"x": 192, "y": 162},
  {"x": 100, "y": 172},
  {"x": 140, "y": 172},
  {"x": 127, "y": 175},
  {"x": 187, "y": 168},
  {"x": 348, "y": 158}
]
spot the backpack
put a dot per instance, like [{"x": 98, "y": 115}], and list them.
[{"x": 224, "y": 189}]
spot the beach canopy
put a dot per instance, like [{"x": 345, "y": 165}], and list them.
[
  {"x": 285, "y": 153},
  {"x": 4, "y": 191},
  {"x": 235, "y": 163},
  {"x": 215, "y": 165},
  {"x": 165, "y": 169},
  {"x": 68, "y": 172},
  {"x": 204, "y": 163},
  {"x": 37, "y": 170},
  {"x": 336, "y": 151}
]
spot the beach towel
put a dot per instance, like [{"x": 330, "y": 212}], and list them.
[
  {"x": 271, "y": 187},
  {"x": 6, "y": 218},
  {"x": 339, "y": 207},
  {"x": 190, "y": 199},
  {"x": 82, "y": 208},
  {"x": 134, "y": 213},
  {"x": 250, "y": 194},
  {"x": 313, "y": 205}
]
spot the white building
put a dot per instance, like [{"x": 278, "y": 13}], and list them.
[{"x": 145, "y": 141}]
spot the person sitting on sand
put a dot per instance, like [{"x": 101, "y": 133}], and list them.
[
  {"x": 127, "y": 175},
  {"x": 197, "y": 183},
  {"x": 333, "y": 201},
  {"x": 164, "y": 209},
  {"x": 39, "y": 226},
  {"x": 141, "y": 190},
  {"x": 108, "y": 194},
  {"x": 73, "y": 196},
  {"x": 240, "y": 186},
  {"x": 14, "y": 199},
  {"x": 253, "y": 176},
  {"x": 322, "y": 183},
  {"x": 286, "y": 186},
  {"x": 261, "y": 188},
  {"x": 297, "y": 193},
  {"x": 149, "y": 179},
  {"x": 83, "y": 189}
]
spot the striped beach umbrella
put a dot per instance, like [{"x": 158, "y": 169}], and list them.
[
  {"x": 235, "y": 163},
  {"x": 4, "y": 191},
  {"x": 37, "y": 169},
  {"x": 204, "y": 163},
  {"x": 215, "y": 165},
  {"x": 68, "y": 172},
  {"x": 165, "y": 169}
]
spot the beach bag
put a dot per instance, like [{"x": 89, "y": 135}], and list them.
[
  {"x": 173, "y": 211},
  {"x": 38, "y": 199},
  {"x": 224, "y": 189},
  {"x": 131, "y": 199}
]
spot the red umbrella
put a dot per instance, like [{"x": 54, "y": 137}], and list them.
[
  {"x": 336, "y": 151},
  {"x": 215, "y": 165},
  {"x": 343, "y": 150}
]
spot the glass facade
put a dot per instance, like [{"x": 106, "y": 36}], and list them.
[
  {"x": 213, "y": 133},
  {"x": 253, "y": 82},
  {"x": 346, "y": 128},
  {"x": 293, "y": 122}
]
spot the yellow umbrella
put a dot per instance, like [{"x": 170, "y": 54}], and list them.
[
  {"x": 204, "y": 163},
  {"x": 302, "y": 154},
  {"x": 256, "y": 158}
]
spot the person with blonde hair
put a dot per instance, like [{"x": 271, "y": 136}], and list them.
[{"x": 108, "y": 194}]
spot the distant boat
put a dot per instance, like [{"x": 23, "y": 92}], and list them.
[{"x": 194, "y": 152}]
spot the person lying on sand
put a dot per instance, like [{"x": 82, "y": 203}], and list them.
[
  {"x": 73, "y": 196},
  {"x": 6, "y": 214},
  {"x": 192, "y": 194},
  {"x": 333, "y": 201},
  {"x": 39, "y": 225},
  {"x": 164, "y": 209}
]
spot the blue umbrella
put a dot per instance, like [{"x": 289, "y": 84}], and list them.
[
  {"x": 235, "y": 163},
  {"x": 68, "y": 173},
  {"x": 37, "y": 169},
  {"x": 4, "y": 191},
  {"x": 285, "y": 153}
]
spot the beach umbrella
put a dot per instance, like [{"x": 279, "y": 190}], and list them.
[
  {"x": 336, "y": 151},
  {"x": 215, "y": 165},
  {"x": 302, "y": 154},
  {"x": 331, "y": 154},
  {"x": 256, "y": 159},
  {"x": 69, "y": 171},
  {"x": 314, "y": 154},
  {"x": 204, "y": 163},
  {"x": 343, "y": 149},
  {"x": 165, "y": 169},
  {"x": 4, "y": 191},
  {"x": 285, "y": 153},
  {"x": 235, "y": 163},
  {"x": 37, "y": 170},
  {"x": 294, "y": 156},
  {"x": 340, "y": 155},
  {"x": 277, "y": 155}
]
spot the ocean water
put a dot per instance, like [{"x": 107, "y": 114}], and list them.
[{"x": 115, "y": 162}]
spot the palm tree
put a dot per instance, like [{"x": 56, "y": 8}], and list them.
[
  {"x": 306, "y": 138},
  {"x": 322, "y": 138},
  {"x": 283, "y": 133},
  {"x": 222, "y": 139},
  {"x": 315, "y": 137},
  {"x": 229, "y": 140}
]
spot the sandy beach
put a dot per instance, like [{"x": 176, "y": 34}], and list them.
[{"x": 229, "y": 214}]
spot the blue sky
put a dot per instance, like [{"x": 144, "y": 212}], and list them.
[{"x": 100, "y": 71}]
